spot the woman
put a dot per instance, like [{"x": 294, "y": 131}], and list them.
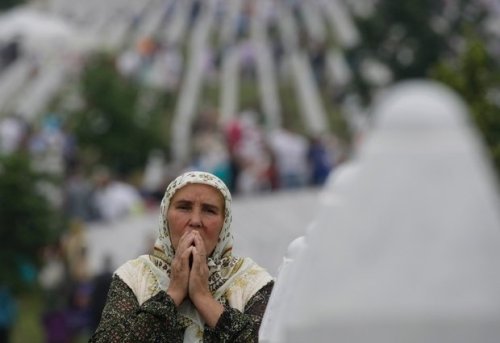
[{"x": 191, "y": 289}]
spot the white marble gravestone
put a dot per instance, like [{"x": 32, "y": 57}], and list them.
[
  {"x": 277, "y": 312},
  {"x": 411, "y": 253}
]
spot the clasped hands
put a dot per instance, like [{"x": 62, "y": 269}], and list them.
[
  {"x": 191, "y": 281},
  {"x": 188, "y": 280}
]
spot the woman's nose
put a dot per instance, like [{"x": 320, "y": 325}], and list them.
[{"x": 195, "y": 221}]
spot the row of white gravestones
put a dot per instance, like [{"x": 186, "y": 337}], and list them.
[
  {"x": 152, "y": 20},
  {"x": 37, "y": 94},
  {"x": 192, "y": 83},
  {"x": 266, "y": 70},
  {"x": 341, "y": 22},
  {"x": 309, "y": 100},
  {"x": 12, "y": 81},
  {"x": 406, "y": 245}
]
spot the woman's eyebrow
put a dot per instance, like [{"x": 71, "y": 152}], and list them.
[
  {"x": 182, "y": 202},
  {"x": 189, "y": 202}
]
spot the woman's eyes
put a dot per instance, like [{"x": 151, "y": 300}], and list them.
[{"x": 186, "y": 207}]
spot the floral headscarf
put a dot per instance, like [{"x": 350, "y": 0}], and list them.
[{"x": 225, "y": 242}]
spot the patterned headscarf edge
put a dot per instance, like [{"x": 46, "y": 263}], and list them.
[{"x": 225, "y": 241}]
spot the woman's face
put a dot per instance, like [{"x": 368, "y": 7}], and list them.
[{"x": 196, "y": 207}]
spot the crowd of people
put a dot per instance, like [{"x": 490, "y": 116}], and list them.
[
  {"x": 241, "y": 152},
  {"x": 252, "y": 160}
]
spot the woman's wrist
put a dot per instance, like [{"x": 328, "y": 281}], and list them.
[
  {"x": 177, "y": 297},
  {"x": 209, "y": 308}
]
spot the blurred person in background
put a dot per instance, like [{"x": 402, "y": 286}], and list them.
[
  {"x": 13, "y": 130},
  {"x": 78, "y": 194},
  {"x": 113, "y": 198},
  {"x": 10, "y": 52},
  {"x": 77, "y": 312},
  {"x": 53, "y": 276},
  {"x": 251, "y": 160},
  {"x": 55, "y": 284},
  {"x": 320, "y": 160},
  {"x": 191, "y": 288},
  {"x": 210, "y": 151},
  {"x": 8, "y": 313},
  {"x": 101, "y": 284},
  {"x": 290, "y": 150},
  {"x": 154, "y": 177},
  {"x": 211, "y": 155}
]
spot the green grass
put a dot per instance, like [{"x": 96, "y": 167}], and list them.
[
  {"x": 28, "y": 326},
  {"x": 290, "y": 108},
  {"x": 249, "y": 95},
  {"x": 336, "y": 122}
]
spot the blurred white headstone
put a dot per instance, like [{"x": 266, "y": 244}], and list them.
[
  {"x": 276, "y": 308},
  {"x": 277, "y": 312},
  {"x": 411, "y": 254}
]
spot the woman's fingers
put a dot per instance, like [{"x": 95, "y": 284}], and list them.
[
  {"x": 199, "y": 244},
  {"x": 180, "y": 264},
  {"x": 179, "y": 276},
  {"x": 186, "y": 240},
  {"x": 198, "y": 278},
  {"x": 199, "y": 257}
]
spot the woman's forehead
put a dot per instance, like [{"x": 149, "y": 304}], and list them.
[{"x": 194, "y": 191}]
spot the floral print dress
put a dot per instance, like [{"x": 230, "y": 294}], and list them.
[{"x": 156, "y": 320}]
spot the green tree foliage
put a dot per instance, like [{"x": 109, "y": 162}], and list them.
[
  {"x": 400, "y": 35},
  {"x": 111, "y": 125},
  {"x": 475, "y": 75},
  {"x": 7, "y": 4},
  {"x": 411, "y": 36},
  {"x": 28, "y": 220}
]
